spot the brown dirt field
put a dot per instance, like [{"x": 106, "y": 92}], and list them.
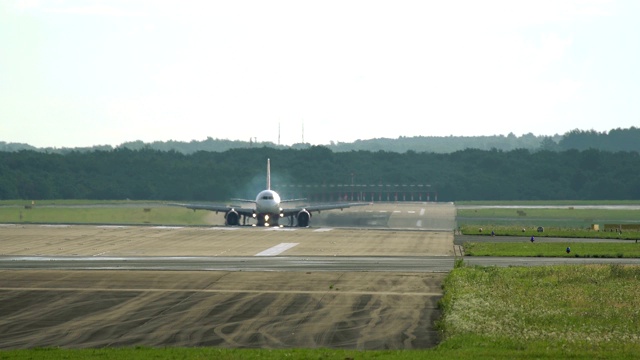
[{"x": 81, "y": 309}]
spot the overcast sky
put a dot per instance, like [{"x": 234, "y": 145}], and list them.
[{"x": 89, "y": 72}]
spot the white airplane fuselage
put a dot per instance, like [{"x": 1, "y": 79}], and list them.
[{"x": 268, "y": 210}]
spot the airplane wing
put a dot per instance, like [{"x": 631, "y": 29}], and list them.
[
  {"x": 320, "y": 207},
  {"x": 293, "y": 200},
  {"x": 218, "y": 208}
]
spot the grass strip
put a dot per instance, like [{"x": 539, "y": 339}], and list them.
[
  {"x": 73, "y": 202},
  {"x": 567, "y": 203},
  {"x": 551, "y": 311},
  {"x": 459, "y": 348},
  {"x": 589, "y": 215},
  {"x": 542, "y": 249},
  {"x": 580, "y": 219},
  {"x": 104, "y": 215},
  {"x": 517, "y": 230}
]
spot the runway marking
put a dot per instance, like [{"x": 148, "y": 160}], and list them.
[
  {"x": 323, "y": 230},
  {"x": 112, "y": 227},
  {"x": 411, "y": 212},
  {"x": 419, "y": 223},
  {"x": 223, "y": 291},
  {"x": 277, "y": 250},
  {"x": 422, "y": 212},
  {"x": 56, "y": 226},
  {"x": 167, "y": 227},
  {"x": 397, "y": 211},
  {"x": 279, "y": 229},
  {"x": 223, "y": 228}
]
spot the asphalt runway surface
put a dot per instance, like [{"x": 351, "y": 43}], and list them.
[
  {"x": 201, "y": 263},
  {"x": 370, "y": 288}
]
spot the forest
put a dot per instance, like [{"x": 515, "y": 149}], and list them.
[{"x": 470, "y": 174}]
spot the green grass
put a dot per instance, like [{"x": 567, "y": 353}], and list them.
[
  {"x": 546, "y": 311},
  {"x": 478, "y": 351},
  {"x": 210, "y": 353},
  {"x": 555, "y": 249},
  {"x": 560, "y": 213},
  {"x": 22, "y": 203},
  {"x": 558, "y": 218},
  {"x": 104, "y": 215},
  {"x": 549, "y": 202},
  {"x": 561, "y": 232}
]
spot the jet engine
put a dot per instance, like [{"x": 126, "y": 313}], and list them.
[
  {"x": 232, "y": 218},
  {"x": 303, "y": 218}
]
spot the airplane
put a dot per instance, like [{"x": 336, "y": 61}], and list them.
[{"x": 267, "y": 210}]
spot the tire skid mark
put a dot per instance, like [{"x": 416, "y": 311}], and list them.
[
  {"x": 239, "y": 317},
  {"x": 230, "y": 309},
  {"x": 374, "y": 318},
  {"x": 222, "y": 291}
]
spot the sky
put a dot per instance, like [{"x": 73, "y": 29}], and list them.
[{"x": 87, "y": 72}]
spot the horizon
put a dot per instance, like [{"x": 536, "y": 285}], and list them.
[
  {"x": 82, "y": 73},
  {"x": 309, "y": 144}
]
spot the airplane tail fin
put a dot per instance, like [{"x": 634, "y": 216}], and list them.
[{"x": 268, "y": 174}]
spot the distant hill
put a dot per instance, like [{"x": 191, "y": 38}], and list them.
[
  {"x": 613, "y": 140},
  {"x": 448, "y": 144},
  {"x": 10, "y": 147}
]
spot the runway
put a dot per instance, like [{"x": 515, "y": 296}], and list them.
[
  {"x": 414, "y": 264},
  {"x": 375, "y": 287},
  {"x": 280, "y": 263}
]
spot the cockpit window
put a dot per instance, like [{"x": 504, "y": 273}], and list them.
[{"x": 267, "y": 197}]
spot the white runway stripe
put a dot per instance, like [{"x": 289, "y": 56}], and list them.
[
  {"x": 277, "y": 250},
  {"x": 323, "y": 230},
  {"x": 422, "y": 212}
]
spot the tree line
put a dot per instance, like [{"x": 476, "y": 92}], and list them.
[
  {"x": 613, "y": 140},
  {"x": 470, "y": 174}
]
